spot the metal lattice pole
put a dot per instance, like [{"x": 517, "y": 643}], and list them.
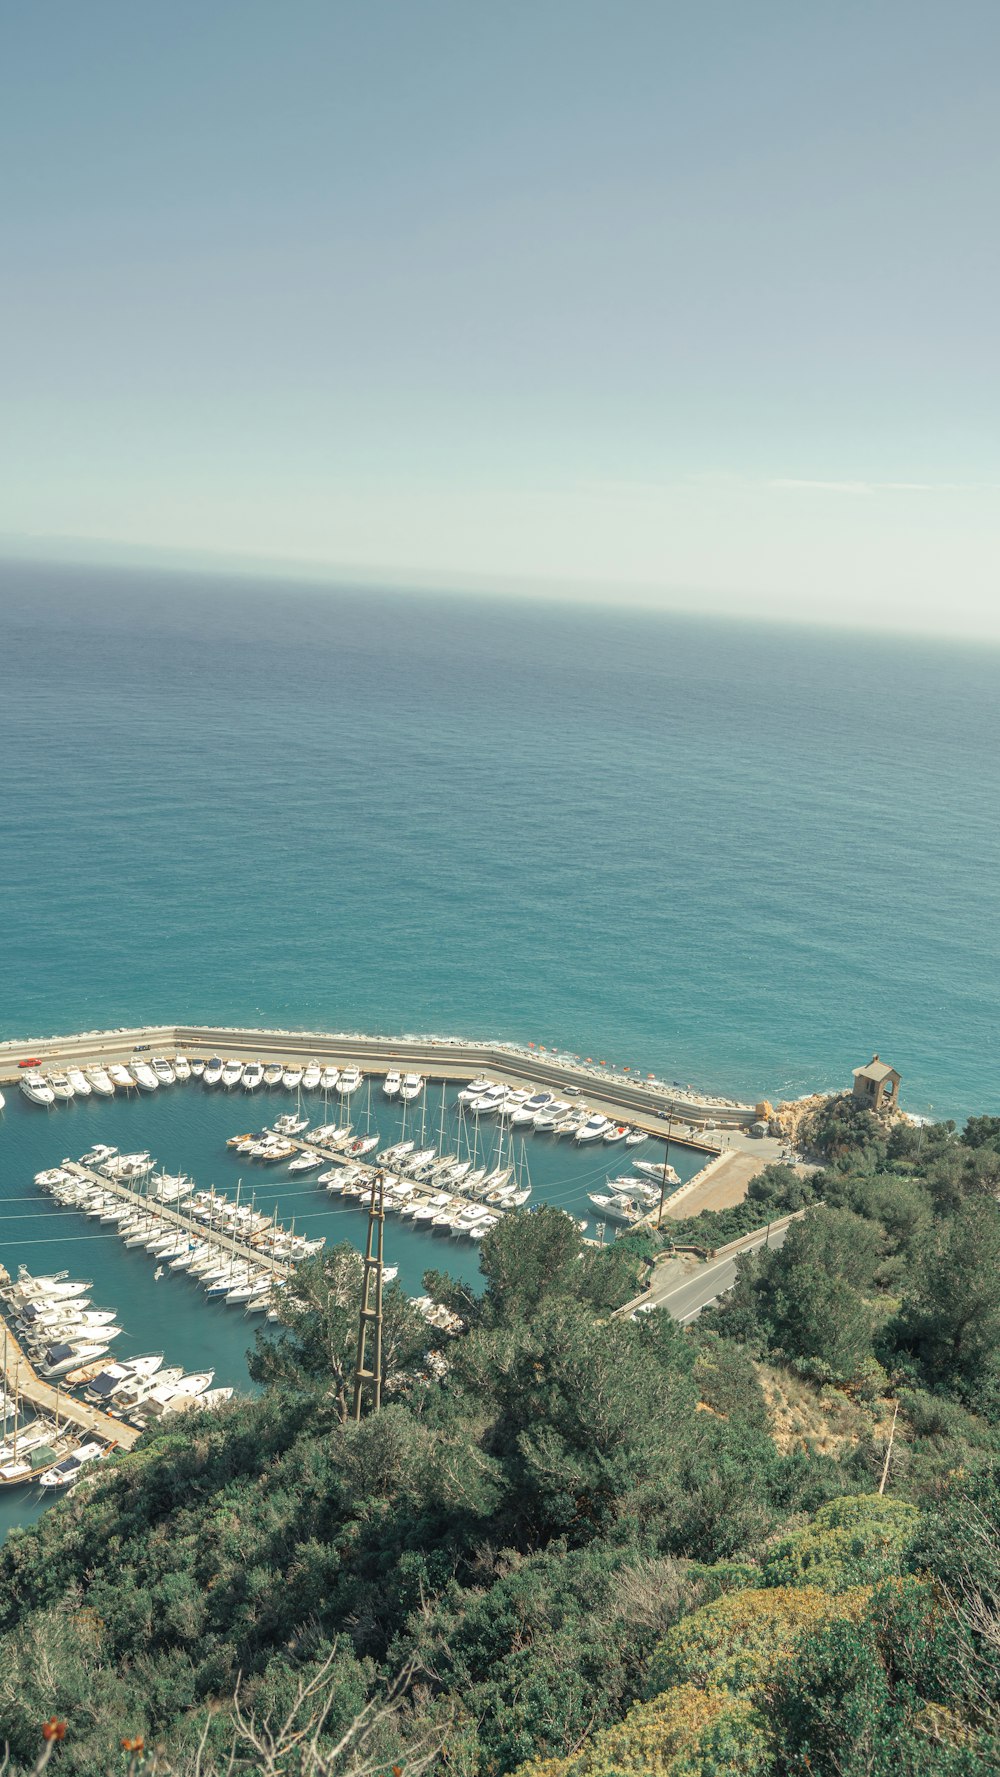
[{"x": 368, "y": 1368}]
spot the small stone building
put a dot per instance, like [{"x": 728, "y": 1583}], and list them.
[{"x": 876, "y": 1086}]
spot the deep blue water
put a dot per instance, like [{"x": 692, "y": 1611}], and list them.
[{"x": 740, "y": 856}]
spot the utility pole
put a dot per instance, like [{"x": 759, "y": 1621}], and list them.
[
  {"x": 666, "y": 1157},
  {"x": 369, "y": 1364}
]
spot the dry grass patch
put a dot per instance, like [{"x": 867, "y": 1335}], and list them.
[{"x": 803, "y": 1416}]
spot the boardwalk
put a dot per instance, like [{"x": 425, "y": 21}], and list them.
[{"x": 20, "y": 1376}]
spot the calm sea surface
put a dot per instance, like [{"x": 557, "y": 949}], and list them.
[{"x": 739, "y": 856}]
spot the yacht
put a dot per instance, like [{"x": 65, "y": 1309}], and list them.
[
  {"x": 253, "y": 1076},
  {"x": 213, "y": 1071},
  {"x": 64, "y": 1473},
  {"x": 163, "y": 1396},
  {"x": 361, "y": 1145},
  {"x": 412, "y": 1086},
  {"x": 273, "y": 1073},
  {"x": 488, "y": 1102},
  {"x": 60, "y": 1358},
  {"x": 593, "y": 1129},
  {"x": 198, "y": 1066},
  {"x": 657, "y": 1170},
  {"x": 37, "y": 1088},
  {"x": 291, "y": 1079},
  {"x": 551, "y": 1114},
  {"x": 101, "y": 1082},
  {"x": 182, "y": 1068},
  {"x": 119, "y": 1074},
  {"x": 475, "y": 1089},
  {"x": 232, "y": 1074},
  {"x": 145, "y": 1078},
  {"x": 391, "y": 1084},
  {"x": 532, "y": 1107},
  {"x": 311, "y": 1077},
  {"x": 103, "y": 1387},
  {"x": 614, "y": 1208},
  {"x": 79, "y": 1082},
  {"x": 307, "y": 1161},
  {"x": 350, "y": 1080},
  {"x": 328, "y": 1079},
  {"x": 61, "y": 1087},
  {"x": 163, "y": 1070}
]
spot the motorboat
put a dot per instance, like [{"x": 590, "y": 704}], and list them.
[
  {"x": 328, "y": 1079},
  {"x": 489, "y": 1102},
  {"x": 391, "y": 1084},
  {"x": 79, "y": 1082},
  {"x": 61, "y": 1087},
  {"x": 623, "y": 1186},
  {"x": 291, "y": 1079},
  {"x": 569, "y": 1125},
  {"x": 119, "y": 1074},
  {"x": 163, "y": 1070},
  {"x": 349, "y": 1081},
  {"x": 232, "y": 1074},
  {"x": 198, "y": 1066},
  {"x": 62, "y": 1357},
  {"x": 68, "y": 1470},
  {"x": 411, "y": 1087},
  {"x": 101, "y": 1082},
  {"x": 36, "y": 1087},
  {"x": 273, "y": 1073},
  {"x": 551, "y": 1114},
  {"x": 635, "y": 1137},
  {"x": 475, "y": 1089},
  {"x": 290, "y": 1125},
  {"x": 134, "y": 1392},
  {"x": 658, "y": 1170},
  {"x": 307, "y": 1161},
  {"x": 182, "y": 1068},
  {"x": 617, "y": 1209},
  {"x": 109, "y": 1381},
  {"x": 532, "y": 1107},
  {"x": 145, "y": 1078},
  {"x": 615, "y": 1132},
  {"x": 593, "y": 1129},
  {"x": 57, "y": 1286},
  {"x": 311, "y": 1077},
  {"x": 253, "y": 1076},
  {"x": 213, "y": 1071}
]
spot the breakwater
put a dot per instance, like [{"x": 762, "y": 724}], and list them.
[{"x": 645, "y": 1102}]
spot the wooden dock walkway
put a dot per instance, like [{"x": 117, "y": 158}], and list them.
[
  {"x": 21, "y": 1377},
  {"x": 175, "y": 1218}
]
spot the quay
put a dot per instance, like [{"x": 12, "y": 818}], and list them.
[
  {"x": 647, "y": 1103},
  {"x": 20, "y": 1374}
]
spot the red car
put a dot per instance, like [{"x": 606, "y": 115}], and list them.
[{"x": 34, "y": 1062}]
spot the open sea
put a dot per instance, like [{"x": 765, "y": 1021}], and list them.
[{"x": 739, "y": 856}]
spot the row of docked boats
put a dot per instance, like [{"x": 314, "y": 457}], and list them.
[
  {"x": 310, "y": 1076},
  {"x": 59, "y": 1086},
  {"x": 237, "y": 1254},
  {"x": 544, "y": 1112},
  {"x": 628, "y": 1200}
]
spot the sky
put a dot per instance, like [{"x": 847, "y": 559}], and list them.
[{"x": 690, "y": 304}]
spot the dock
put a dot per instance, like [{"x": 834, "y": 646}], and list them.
[
  {"x": 20, "y": 1374},
  {"x": 175, "y": 1218}
]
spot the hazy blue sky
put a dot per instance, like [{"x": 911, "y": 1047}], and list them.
[{"x": 699, "y": 300}]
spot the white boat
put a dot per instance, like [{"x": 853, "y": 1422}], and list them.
[
  {"x": 62, "y": 1357},
  {"x": 291, "y": 1079},
  {"x": 635, "y": 1137},
  {"x": 61, "y": 1087},
  {"x": 328, "y": 1079},
  {"x": 182, "y": 1068},
  {"x": 101, "y": 1082},
  {"x": 311, "y": 1077},
  {"x": 307, "y": 1161},
  {"x": 623, "y": 1186},
  {"x": 552, "y": 1114},
  {"x": 532, "y": 1107},
  {"x": 145, "y": 1078},
  {"x": 79, "y": 1082},
  {"x": 132, "y": 1393},
  {"x": 58, "y": 1286},
  {"x": 593, "y": 1129},
  {"x": 617, "y": 1209},
  {"x": 109, "y": 1381},
  {"x": 273, "y": 1073},
  {"x": 350, "y": 1080},
  {"x": 253, "y": 1076},
  {"x": 64, "y": 1473},
  {"x": 411, "y": 1087},
  {"x": 164, "y": 1394},
  {"x": 656, "y": 1170},
  {"x": 37, "y": 1088},
  {"x": 615, "y": 1132},
  {"x": 489, "y": 1102},
  {"x": 391, "y": 1083},
  {"x": 213, "y": 1071},
  {"x": 232, "y": 1074},
  {"x": 475, "y": 1089},
  {"x": 360, "y": 1146},
  {"x": 163, "y": 1070},
  {"x": 120, "y": 1075},
  {"x": 198, "y": 1066}
]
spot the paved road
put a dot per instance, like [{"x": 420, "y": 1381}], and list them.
[{"x": 685, "y": 1300}]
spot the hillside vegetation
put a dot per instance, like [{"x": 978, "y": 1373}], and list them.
[{"x": 594, "y": 1547}]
